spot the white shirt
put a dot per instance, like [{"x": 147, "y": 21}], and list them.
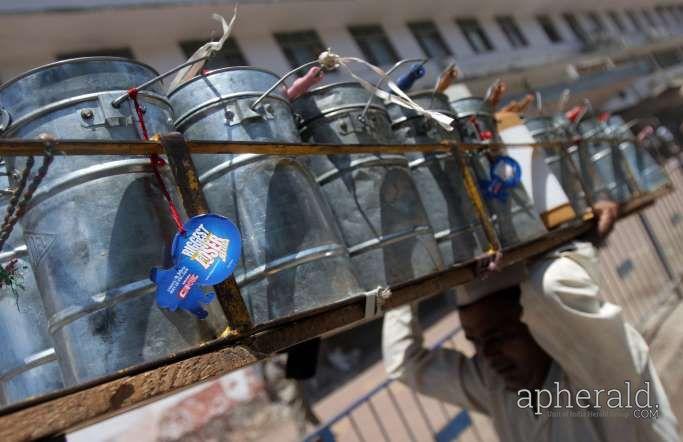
[{"x": 591, "y": 345}]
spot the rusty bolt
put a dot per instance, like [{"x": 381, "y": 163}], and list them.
[{"x": 87, "y": 114}]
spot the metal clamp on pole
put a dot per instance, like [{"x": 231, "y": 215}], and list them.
[{"x": 374, "y": 302}]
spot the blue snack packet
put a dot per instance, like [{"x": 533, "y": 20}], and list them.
[
  {"x": 205, "y": 255},
  {"x": 505, "y": 173}
]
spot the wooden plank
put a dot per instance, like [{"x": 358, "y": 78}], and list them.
[
  {"x": 187, "y": 183},
  {"x": 10, "y": 147},
  {"x": 62, "y": 411},
  {"x": 644, "y": 200}
]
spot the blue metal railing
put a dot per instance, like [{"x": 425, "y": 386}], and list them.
[{"x": 449, "y": 432}]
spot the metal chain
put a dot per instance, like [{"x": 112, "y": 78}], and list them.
[{"x": 18, "y": 208}]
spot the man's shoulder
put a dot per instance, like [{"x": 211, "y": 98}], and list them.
[{"x": 574, "y": 246}]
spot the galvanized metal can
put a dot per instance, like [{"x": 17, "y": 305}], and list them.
[
  {"x": 592, "y": 183},
  {"x": 293, "y": 257},
  {"x": 608, "y": 161},
  {"x": 439, "y": 180},
  {"x": 373, "y": 196},
  {"x": 515, "y": 218},
  {"x": 28, "y": 363},
  {"x": 563, "y": 163},
  {"x": 98, "y": 224},
  {"x": 649, "y": 175}
]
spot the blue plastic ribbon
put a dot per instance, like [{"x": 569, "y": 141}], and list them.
[
  {"x": 497, "y": 187},
  {"x": 204, "y": 256}
]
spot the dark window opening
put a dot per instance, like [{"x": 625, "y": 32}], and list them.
[
  {"x": 575, "y": 26},
  {"x": 597, "y": 24},
  {"x": 649, "y": 18},
  {"x": 374, "y": 44},
  {"x": 635, "y": 22},
  {"x": 300, "y": 47},
  {"x": 667, "y": 58},
  {"x": 618, "y": 22},
  {"x": 475, "y": 35},
  {"x": 549, "y": 28},
  {"x": 512, "y": 32},
  {"x": 430, "y": 40}
]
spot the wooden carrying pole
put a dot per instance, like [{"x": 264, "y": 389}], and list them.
[
  {"x": 10, "y": 147},
  {"x": 190, "y": 190}
]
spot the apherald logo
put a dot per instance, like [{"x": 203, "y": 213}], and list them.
[
  {"x": 205, "y": 247},
  {"x": 639, "y": 401}
]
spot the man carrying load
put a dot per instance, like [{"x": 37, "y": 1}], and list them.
[{"x": 553, "y": 361}]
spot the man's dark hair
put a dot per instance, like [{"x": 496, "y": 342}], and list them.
[{"x": 507, "y": 297}]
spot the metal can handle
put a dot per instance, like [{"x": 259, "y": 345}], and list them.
[{"x": 5, "y": 119}]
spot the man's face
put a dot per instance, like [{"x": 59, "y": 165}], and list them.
[{"x": 505, "y": 343}]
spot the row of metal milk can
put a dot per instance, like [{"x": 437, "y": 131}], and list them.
[{"x": 315, "y": 229}]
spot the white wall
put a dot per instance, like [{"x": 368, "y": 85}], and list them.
[{"x": 31, "y": 40}]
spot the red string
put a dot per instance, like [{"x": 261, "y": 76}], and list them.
[
  {"x": 482, "y": 135},
  {"x": 156, "y": 162}
]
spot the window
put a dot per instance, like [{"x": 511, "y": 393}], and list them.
[
  {"x": 616, "y": 19},
  {"x": 430, "y": 40},
  {"x": 512, "y": 32},
  {"x": 575, "y": 26},
  {"x": 673, "y": 13},
  {"x": 661, "y": 12},
  {"x": 113, "y": 52},
  {"x": 229, "y": 55},
  {"x": 549, "y": 28},
  {"x": 649, "y": 18},
  {"x": 300, "y": 47},
  {"x": 374, "y": 44},
  {"x": 667, "y": 57},
  {"x": 634, "y": 20},
  {"x": 597, "y": 24},
  {"x": 475, "y": 35}
]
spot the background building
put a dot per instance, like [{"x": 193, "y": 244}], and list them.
[{"x": 617, "y": 53}]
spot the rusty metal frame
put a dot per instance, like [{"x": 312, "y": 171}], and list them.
[
  {"x": 73, "y": 408},
  {"x": 14, "y": 147},
  {"x": 244, "y": 344}
]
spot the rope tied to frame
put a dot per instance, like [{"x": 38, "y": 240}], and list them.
[
  {"x": 16, "y": 194},
  {"x": 483, "y": 135},
  {"x": 156, "y": 161},
  {"x": 18, "y": 204}
]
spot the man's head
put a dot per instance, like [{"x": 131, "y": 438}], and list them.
[{"x": 494, "y": 326}]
